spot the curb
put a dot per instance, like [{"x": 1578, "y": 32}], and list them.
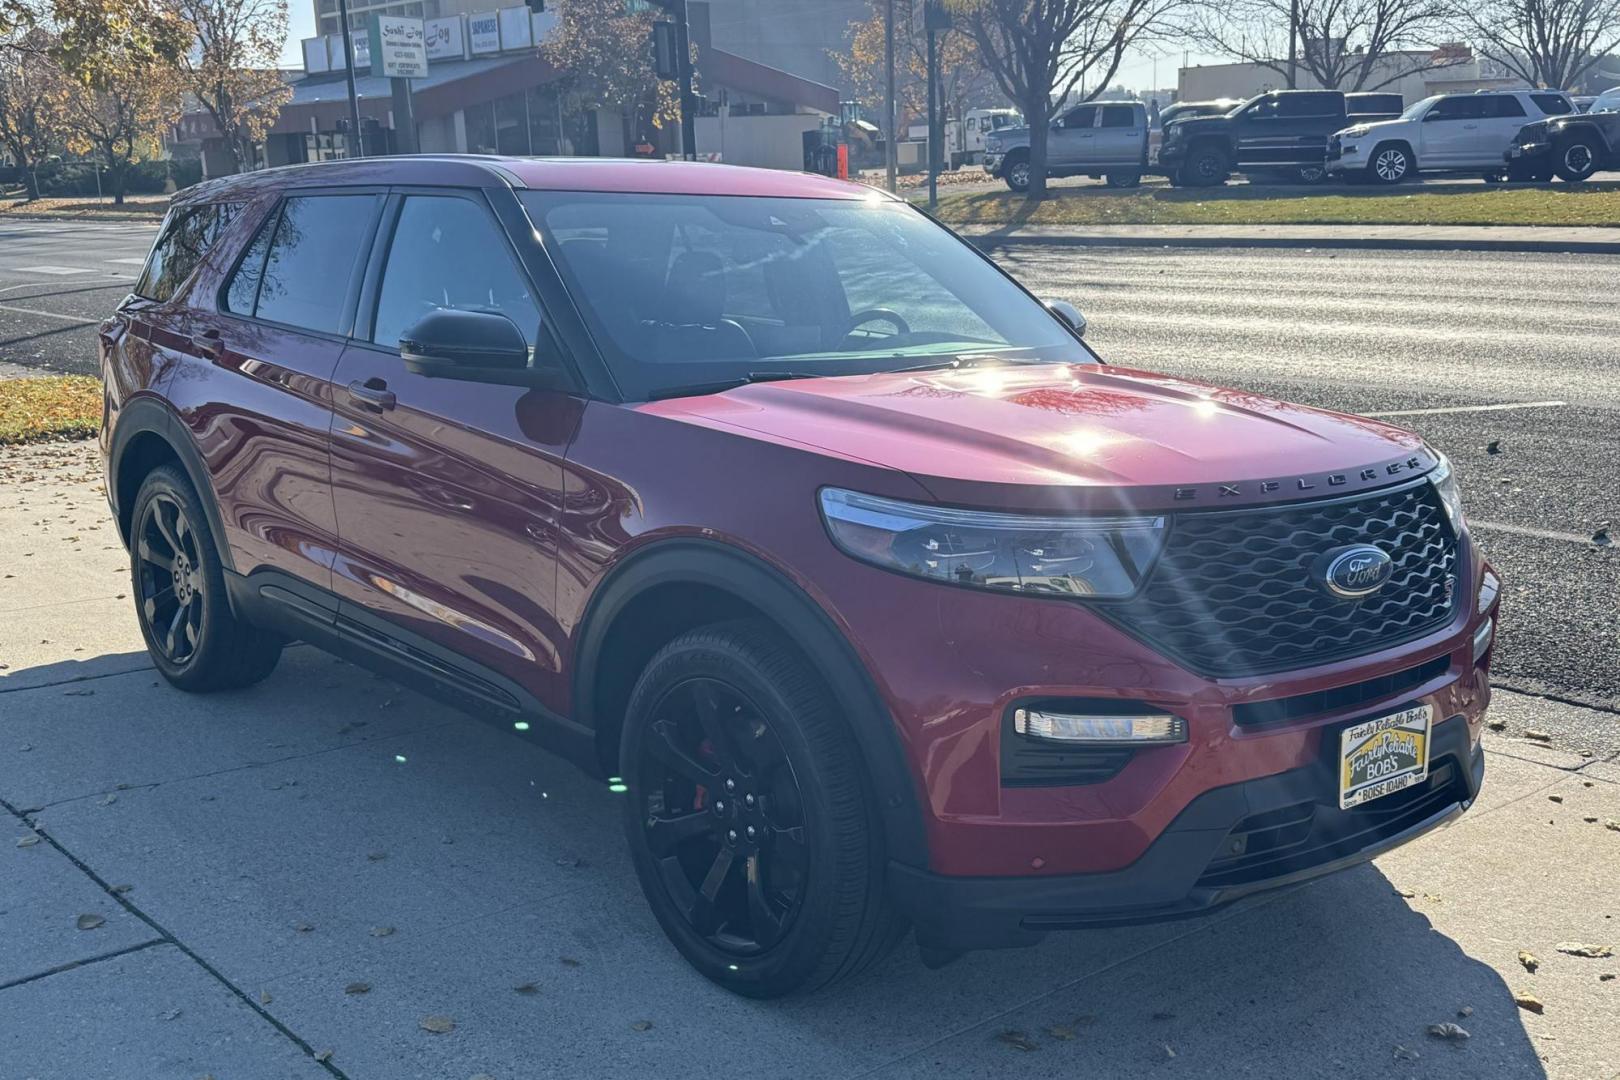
[{"x": 1566, "y": 247}]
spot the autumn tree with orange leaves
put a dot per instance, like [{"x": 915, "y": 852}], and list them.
[{"x": 962, "y": 78}]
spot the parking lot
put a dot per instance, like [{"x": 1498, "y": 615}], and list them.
[{"x": 329, "y": 875}]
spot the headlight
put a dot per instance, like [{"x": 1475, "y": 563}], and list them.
[
  {"x": 1064, "y": 556},
  {"x": 992, "y": 145},
  {"x": 1354, "y": 133},
  {"x": 1445, "y": 485}
]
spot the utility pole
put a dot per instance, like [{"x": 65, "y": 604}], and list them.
[
  {"x": 683, "y": 49},
  {"x": 890, "y": 134},
  {"x": 935, "y": 19},
  {"x": 1293, "y": 45},
  {"x": 358, "y": 147}
]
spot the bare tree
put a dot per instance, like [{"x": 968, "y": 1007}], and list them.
[
  {"x": 1042, "y": 51},
  {"x": 1544, "y": 42},
  {"x": 1342, "y": 44}
]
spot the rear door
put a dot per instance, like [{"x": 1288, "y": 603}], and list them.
[
  {"x": 449, "y": 492},
  {"x": 1504, "y": 116},
  {"x": 255, "y": 390},
  {"x": 1120, "y": 134},
  {"x": 1072, "y": 142}
]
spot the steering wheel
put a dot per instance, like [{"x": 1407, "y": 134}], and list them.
[{"x": 878, "y": 314}]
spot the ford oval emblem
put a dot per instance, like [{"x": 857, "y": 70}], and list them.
[{"x": 1353, "y": 572}]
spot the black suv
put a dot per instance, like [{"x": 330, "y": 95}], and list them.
[
  {"x": 1572, "y": 147},
  {"x": 1282, "y": 133}
]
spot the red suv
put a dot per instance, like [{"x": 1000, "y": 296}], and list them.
[{"x": 881, "y": 601}]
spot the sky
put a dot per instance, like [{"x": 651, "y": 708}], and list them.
[{"x": 303, "y": 26}]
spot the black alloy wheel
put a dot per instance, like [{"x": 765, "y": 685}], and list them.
[
  {"x": 194, "y": 638},
  {"x": 751, "y": 821},
  {"x": 1575, "y": 160},
  {"x": 170, "y": 578},
  {"x": 1205, "y": 167}
]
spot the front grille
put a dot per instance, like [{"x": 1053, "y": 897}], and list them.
[
  {"x": 1298, "y": 837},
  {"x": 1233, "y": 594},
  {"x": 1299, "y": 706}
]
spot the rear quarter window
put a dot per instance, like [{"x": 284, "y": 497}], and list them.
[
  {"x": 188, "y": 234},
  {"x": 1552, "y": 104},
  {"x": 301, "y": 265}
]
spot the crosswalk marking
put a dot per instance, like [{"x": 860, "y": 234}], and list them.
[
  {"x": 129, "y": 262},
  {"x": 57, "y": 271}
]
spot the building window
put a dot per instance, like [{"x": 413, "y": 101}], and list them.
[
  {"x": 512, "y": 125},
  {"x": 480, "y": 120}
]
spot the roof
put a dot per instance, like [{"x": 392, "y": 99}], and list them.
[{"x": 627, "y": 175}]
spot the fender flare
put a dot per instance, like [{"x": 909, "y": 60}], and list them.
[
  {"x": 757, "y": 583},
  {"x": 145, "y": 415}
]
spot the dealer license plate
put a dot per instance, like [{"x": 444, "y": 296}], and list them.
[{"x": 1380, "y": 757}]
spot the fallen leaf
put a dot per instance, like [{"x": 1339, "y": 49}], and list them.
[
  {"x": 1580, "y": 948},
  {"x": 120, "y": 890},
  {"x": 357, "y": 988},
  {"x": 1448, "y": 1031},
  {"x": 1601, "y": 538},
  {"x": 109, "y": 800},
  {"x": 264, "y": 997},
  {"x": 1017, "y": 1040},
  {"x": 90, "y": 922},
  {"x": 303, "y": 927},
  {"x": 1555, "y": 798},
  {"x": 1494, "y": 446},
  {"x": 381, "y": 931},
  {"x": 1590, "y": 819},
  {"x": 324, "y": 1056},
  {"x": 527, "y": 989},
  {"x": 1403, "y": 1054},
  {"x": 1059, "y": 1031},
  {"x": 1466, "y": 1011},
  {"x": 1606, "y": 976},
  {"x": 1527, "y": 1001},
  {"x": 172, "y": 1014},
  {"x": 1529, "y": 960},
  {"x": 1496, "y": 725},
  {"x": 439, "y": 1025},
  {"x": 1168, "y": 1052},
  {"x": 568, "y": 961},
  {"x": 641, "y": 1025},
  {"x": 1612, "y": 825},
  {"x": 28, "y": 841},
  {"x": 1537, "y": 736},
  {"x": 1405, "y": 894}
]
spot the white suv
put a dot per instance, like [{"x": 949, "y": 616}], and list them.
[{"x": 1445, "y": 133}]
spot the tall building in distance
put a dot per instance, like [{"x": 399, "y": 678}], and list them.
[{"x": 796, "y": 36}]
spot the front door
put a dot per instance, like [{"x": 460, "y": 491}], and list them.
[
  {"x": 449, "y": 492},
  {"x": 1449, "y": 131},
  {"x": 1072, "y": 139}
]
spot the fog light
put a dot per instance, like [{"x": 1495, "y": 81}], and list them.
[
  {"x": 1483, "y": 637},
  {"x": 1489, "y": 586},
  {"x": 1099, "y": 730}
]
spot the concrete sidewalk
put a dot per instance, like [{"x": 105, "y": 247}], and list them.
[
  {"x": 1584, "y": 240},
  {"x": 323, "y": 862}
]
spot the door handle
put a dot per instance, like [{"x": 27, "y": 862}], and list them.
[
  {"x": 371, "y": 394},
  {"x": 209, "y": 344}
]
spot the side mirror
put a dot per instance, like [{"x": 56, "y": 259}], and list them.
[
  {"x": 1068, "y": 314},
  {"x": 479, "y": 346}
]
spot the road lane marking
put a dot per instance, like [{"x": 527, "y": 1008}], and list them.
[
  {"x": 48, "y": 314},
  {"x": 1472, "y": 408},
  {"x": 58, "y": 271},
  {"x": 129, "y": 262},
  {"x": 1525, "y": 530}
]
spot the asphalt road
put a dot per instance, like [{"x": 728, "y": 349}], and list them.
[{"x": 1485, "y": 340}]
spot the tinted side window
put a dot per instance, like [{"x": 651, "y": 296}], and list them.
[
  {"x": 1083, "y": 117},
  {"x": 1122, "y": 116},
  {"x": 1309, "y": 105},
  {"x": 448, "y": 253},
  {"x": 243, "y": 291},
  {"x": 1461, "y": 107},
  {"x": 1505, "y": 105},
  {"x": 1552, "y": 104},
  {"x": 188, "y": 235},
  {"x": 312, "y": 259}
]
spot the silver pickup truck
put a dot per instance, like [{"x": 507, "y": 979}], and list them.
[{"x": 1097, "y": 139}]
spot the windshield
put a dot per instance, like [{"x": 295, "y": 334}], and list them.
[
  {"x": 680, "y": 290},
  {"x": 1414, "y": 111}
]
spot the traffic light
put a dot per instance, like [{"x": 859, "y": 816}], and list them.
[{"x": 666, "y": 51}]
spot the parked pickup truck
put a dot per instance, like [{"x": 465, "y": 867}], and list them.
[
  {"x": 1284, "y": 132},
  {"x": 1571, "y": 147},
  {"x": 1097, "y": 139}
]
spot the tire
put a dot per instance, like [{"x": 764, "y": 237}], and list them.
[
  {"x": 1391, "y": 163},
  {"x": 1205, "y": 167},
  {"x": 1016, "y": 174},
  {"x": 193, "y": 637},
  {"x": 1124, "y": 179},
  {"x": 731, "y": 725},
  {"x": 1575, "y": 159}
]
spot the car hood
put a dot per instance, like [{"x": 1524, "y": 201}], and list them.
[
  {"x": 1010, "y": 135},
  {"x": 1069, "y": 436}
]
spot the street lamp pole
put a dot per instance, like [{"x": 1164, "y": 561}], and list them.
[
  {"x": 1293, "y": 45},
  {"x": 889, "y": 118},
  {"x": 354, "y": 98}
]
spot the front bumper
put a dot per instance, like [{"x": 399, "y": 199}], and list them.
[
  {"x": 1228, "y": 843},
  {"x": 1344, "y": 157},
  {"x": 992, "y": 164}
]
